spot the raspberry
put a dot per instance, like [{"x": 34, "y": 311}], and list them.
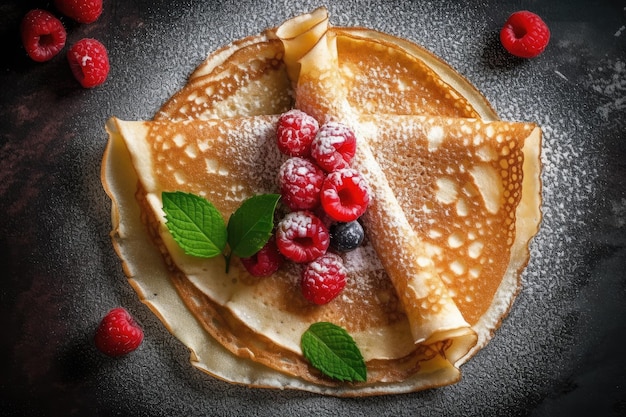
[
  {"x": 300, "y": 182},
  {"x": 325, "y": 218},
  {"x": 82, "y": 11},
  {"x": 334, "y": 146},
  {"x": 345, "y": 195},
  {"x": 89, "y": 62},
  {"x": 295, "y": 132},
  {"x": 118, "y": 334},
  {"x": 302, "y": 237},
  {"x": 323, "y": 279},
  {"x": 345, "y": 237},
  {"x": 43, "y": 35},
  {"x": 525, "y": 34},
  {"x": 265, "y": 262}
]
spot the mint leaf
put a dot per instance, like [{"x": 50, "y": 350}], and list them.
[
  {"x": 333, "y": 351},
  {"x": 195, "y": 224},
  {"x": 250, "y": 226}
]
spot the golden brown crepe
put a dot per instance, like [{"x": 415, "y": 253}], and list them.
[{"x": 455, "y": 196}]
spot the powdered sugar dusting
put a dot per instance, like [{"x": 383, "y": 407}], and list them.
[
  {"x": 295, "y": 132},
  {"x": 362, "y": 259},
  {"x": 609, "y": 80},
  {"x": 334, "y": 146},
  {"x": 295, "y": 224}
]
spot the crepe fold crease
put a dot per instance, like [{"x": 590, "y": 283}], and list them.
[
  {"x": 455, "y": 202},
  {"x": 432, "y": 314}
]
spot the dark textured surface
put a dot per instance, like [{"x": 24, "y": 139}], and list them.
[{"x": 559, "y": 352}]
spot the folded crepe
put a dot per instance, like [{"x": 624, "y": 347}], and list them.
[
  {"x": 456, "y": 201},
  {"x": 313, "y": 66}
]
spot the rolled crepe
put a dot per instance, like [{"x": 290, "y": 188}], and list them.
[
  {"x": 469, "y": 190},
  {"x": 433, "y": 316}
]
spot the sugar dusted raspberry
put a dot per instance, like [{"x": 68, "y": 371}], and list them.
[
  {"x": 301, "y": 236},
  {"x": 265, "y": 262},
  {"x": 525, "y": 34},
  {"x": 320, "y": 213},
  {"x": 118, "y": 333},
  {"x": 334, "y": 146},
  {"x": 295, "y": 132},
  {"x": 345, "y": 195},
  {"x": 82, "y": 11},
  {"x": 89, "y": 62},
  {"x": 300, "y": 182},
  {"x": 323, "y": 279},
  {"x": 43, "y": 35}
]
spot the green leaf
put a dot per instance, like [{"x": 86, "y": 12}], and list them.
[
  {"x": 333, "y": 351},
  {"x": 195, "y": 224},
  {"x": 250, "y": 227}
]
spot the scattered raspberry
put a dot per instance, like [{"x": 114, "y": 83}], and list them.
[
  {"x": 295, "y": 132},
  {"x": 301, "y": 237},
  {"x": 525, "y": 34},
  {"x": 265, "y": 262},
  {"x": 323, "y": 279},
  {"x": 89, "y": 62},
  {"x": 300, "y": 182},
  {"x": 345, "y": 195},
  {"x": 334, "y": 146},
  {"x": 118, "y": 334},
  {"x": 82, "y": 11},
  {"x": 43, "y": 35}
]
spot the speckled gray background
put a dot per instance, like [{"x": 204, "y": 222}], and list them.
[{"x": 559, "y": 352}]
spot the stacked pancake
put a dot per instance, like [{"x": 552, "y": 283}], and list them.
[{"x": 456, "y": 200}]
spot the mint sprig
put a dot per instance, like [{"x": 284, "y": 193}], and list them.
[
  {"x": 199, "y": 228},
  {"x": 250, "y": 226},
  {"x": 334, "y": 352},
  {"x": 195, "y": 224}
]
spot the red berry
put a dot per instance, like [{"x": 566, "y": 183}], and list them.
[
  {"x": 265, "y": 262},
  {"x": 118, "y": 334},
  {"x": 345, "y": 195},
  {"x": 300, "y": 182},
  {"x": 320, "y": 213},
  {"x": 525, "y": 34},
  {"x": 43, "y": 35},
  {"x": 82, "y": 11},
  {"x": 334, "y": 146},
  {"x": 323, "y": 279},
  {"x": 295, "y": 132},
  {"x": 302, "y": 237},
  {"x": 89, "y": 62}
]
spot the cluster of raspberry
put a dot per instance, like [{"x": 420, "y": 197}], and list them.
[
  {"x": 325, "y": 197},
  {"x": 43, "y": 37}
]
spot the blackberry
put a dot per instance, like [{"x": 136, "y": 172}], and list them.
[{"x": 345, "y": 237}]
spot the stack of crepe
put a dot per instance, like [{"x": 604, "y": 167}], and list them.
[{"x": 456, "y": 200}]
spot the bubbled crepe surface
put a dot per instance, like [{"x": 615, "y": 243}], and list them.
[
  {"x": 197, "y": 99},
  {"x": 555, "y": 338},
  {"x": 179, "y": 157}
]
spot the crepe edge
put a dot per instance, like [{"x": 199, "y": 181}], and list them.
[
  {"x": 528, "y": 217},
  {"x": 206, "y": 353},
  {"x": 268, "y": 378}
]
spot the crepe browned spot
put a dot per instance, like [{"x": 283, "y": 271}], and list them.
[{"x": 463, "y": 194}]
